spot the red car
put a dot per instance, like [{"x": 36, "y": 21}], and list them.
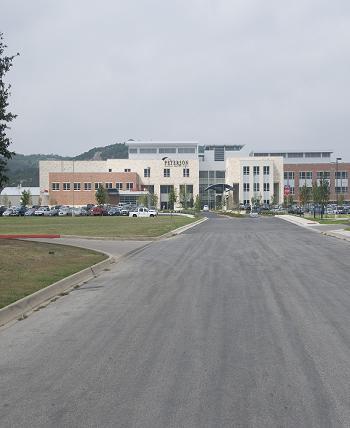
[{"x": 98, "y": 211}]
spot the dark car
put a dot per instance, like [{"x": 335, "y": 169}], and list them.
[
  {"x": 2, "y": 210},
  {"x": 21, "y": 210},
  {"x": 98, "y": 211},
  {"x": 114, "y": 211}
]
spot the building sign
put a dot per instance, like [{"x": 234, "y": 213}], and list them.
[
  {"x": 286, "y": 190},
  {"x": 170, "y": 162}
]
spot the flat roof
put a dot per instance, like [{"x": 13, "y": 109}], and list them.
[{"x": 161, "y": 143}]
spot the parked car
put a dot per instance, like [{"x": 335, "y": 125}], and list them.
[
  {"x": 64, "y": 211},
  {"x": 42, "y": 211},
  {"x": 98, "y": 211},
  {"x": 8, "y": 212},
  {"x": 125, "y": 210},
  {"x": 79, "y": 211},
  {"x": 30, "y": 212},
  {"x": 2, "y": 209},
  {"x": 114, "y": 211},
  {"x": 153, "y": 211},
  {"x": 205, "y": 208},
  {"x": 141, "y": 212},
  {"x": 21, "y": 210}
]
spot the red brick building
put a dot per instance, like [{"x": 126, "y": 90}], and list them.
[{"x": 79, "y": 188}]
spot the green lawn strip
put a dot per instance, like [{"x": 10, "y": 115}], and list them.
[
  {"x": 93, "y": 226},
  {"x": 345, "y": 220},
  {"x": 27, "y": 266}
]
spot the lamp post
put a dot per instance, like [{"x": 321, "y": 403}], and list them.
[{"x": 336, "y": 182}]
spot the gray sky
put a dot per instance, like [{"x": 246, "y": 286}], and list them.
[{"x": 268, "y": 74}]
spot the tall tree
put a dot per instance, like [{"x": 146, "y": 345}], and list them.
[
  {"x": 26, "y": 198},
  {"x": 304, "y": 195},
  {"x": 172, "y": 198},
  {"x": 5, "y": 116},
  {"x": 101, "y": 195}
]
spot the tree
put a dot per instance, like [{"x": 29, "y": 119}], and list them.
[
  {"x": 320, "y": 194},
  {"x": 26, "y": 198},
  {"x": 198, "y": 203},
  {"x": 290, "y": 200},
  {"x": 273, "y": 200},
  {"x": 305, "y": 195},
  {"x": 101, "y": 195},
  {"x": 5, "y": 116},
  {"x": 143, "y": 200},
  {"x": 172, "y": 198},
  {"x": 154, "y": 200},
  {"x": 184, "y": 197},
  {"x": 341, "y": 199}
]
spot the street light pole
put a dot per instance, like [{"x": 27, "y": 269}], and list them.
[{"x": 336, "y": 182}]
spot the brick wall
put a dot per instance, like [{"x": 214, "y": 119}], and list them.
[{"x": 82, "y": 196}]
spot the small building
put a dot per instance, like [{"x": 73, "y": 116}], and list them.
[{"x": 11, "y": 196}]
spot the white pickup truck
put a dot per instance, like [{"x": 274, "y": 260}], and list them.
[{"x": 141, "y": 212}]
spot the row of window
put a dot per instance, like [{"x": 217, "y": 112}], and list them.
[
  {"x": 343, "y": 189},
  {"x": 247, "y": 201},
  {"x": 256, "y": 187},
  {"x": 162, "y": 150},
  {"x": 88, "y": 186},
  {"x": 307, "y": 175},
  {"x": 256, "y": 170},
  {"x": 166, "y": 172}
]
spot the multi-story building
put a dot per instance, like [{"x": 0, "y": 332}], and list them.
[
  {"x": 305, "y": 168},
  {"x": 160, "y": 166}
]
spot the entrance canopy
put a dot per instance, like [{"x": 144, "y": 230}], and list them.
[{"x": 219, "y": 188}]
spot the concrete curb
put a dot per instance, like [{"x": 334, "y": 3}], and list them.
[
  {"x": 334, "y": 234},
  {"x": 181, "y": 229},
  {"x": 19, "y": 308}
]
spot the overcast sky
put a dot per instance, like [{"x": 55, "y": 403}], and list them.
[{"x": 267, "y": 74}]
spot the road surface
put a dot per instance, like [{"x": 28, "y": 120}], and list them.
[{"x": 236, "y": 323}]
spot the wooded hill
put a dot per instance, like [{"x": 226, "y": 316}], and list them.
[{"x": 24, "y": 169}]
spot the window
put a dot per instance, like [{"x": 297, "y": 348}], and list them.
[
  {"x": 98, "y": 185},
  {"x": 147, "y": 172},
  {"x": 305, "y": 175},
  {"x": 256, "y": 187},
  {"x": 246, "y": 202},
  {"x": 186, "y": 172},
  {"x": 220, "y": 174},
  {"x": 341, "y": 189},
  {"x": 167, "y": 150},
  {"x": 256, "y": 170},
  {"x": 110, "y": 170},
  {"x": 87, "y": 186},
  {"x": 66, "y": 186},
  {"x": 186, "y": 150},
  {"x": 267, "y": 201},
  {"x": 219, "y": 153},
  {"x": 166, "y": 172},
  {"x": 341, "y": 174},
  {"x": 246, "y": 170},
  {"x": 119, "y": 186},
  {"x": 292, "y": 190},
  {"x": 289, "y": 175},
  {"x": 313, "y": 155},
  {"x": 295, "y": 155},
  {"x": 147, "y": 151},
  {"x": 245, "y": 187},
  {"x": 127, "y": 170},
  {"x": 323, "y": 174},
  {"x": 266, "y": 187},
  {"x": 55, "y": 186},
  {"x": 132, "y": 150},
  {"x": 203, "y": 174},
  {"x": 77, "y": 186},
  {"x": 266, "y": 170},
  {"x": 108, "y": 185},
  {"x": 211, "y": 174},
  {"x": 129, "y": 186}
]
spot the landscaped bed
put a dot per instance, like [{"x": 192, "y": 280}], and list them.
[
  {"x": 114, "y": 227},
  {"x": 27, "y": 266}
]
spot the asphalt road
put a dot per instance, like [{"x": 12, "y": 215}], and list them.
[{"x": 236, "y": 323}]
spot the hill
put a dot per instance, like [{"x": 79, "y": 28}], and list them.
[{"x": 24, "y": 169}]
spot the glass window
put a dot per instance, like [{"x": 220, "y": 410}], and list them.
[
  {"x": 148, "y": 150},
  {"x": 211, "y": 174},
  {"x": 246, "y": 187},
  {"x": 186, "y": 172},
  {"x": 246, "y": 170},
  {"x": 166, "y": 172},
  {"x": 186, "y": 150},
  {"x": 256, "y": 187},
  {"x": 266, "y": 187},
  {"x": 256, "y": 170},
  {"x": 132, "y": 150},
  {"x": 55, "y": 186},
  {"x": 220, "y": 174},
  {"x": 108, "y": 185},
  {"x": 98, "y": 185},
  {"x": 203, "y": 174},
  {"x": 167, "y": 150},
  {"x": 66, "y": 186},
  {"x": 119, "y": 186},
  {"x": 266, "y": 170},
  {"x": 87, "y": 186},
  {"x": 129, "y": 186},
  {"x": 127, "y": 170},
  {"x": 147, "y": 172},
  {"x": 76, "y": 186}
]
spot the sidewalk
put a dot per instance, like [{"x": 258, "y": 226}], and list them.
[{"x": 336, "y": 231}]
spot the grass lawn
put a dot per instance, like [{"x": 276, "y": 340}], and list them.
[
  {"x": 122, "y": 227},
  {"x": 29, "y": 266},
  {"x": 330, "y": 220}
]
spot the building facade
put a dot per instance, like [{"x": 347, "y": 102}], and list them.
[{"x": 186, "y": 167}]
